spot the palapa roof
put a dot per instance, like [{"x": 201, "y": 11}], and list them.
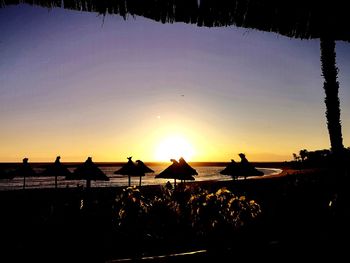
[
  {"x": 24, "y": 169},
  {"x": 88, "y": 171},
  {"x": 303, "y": 19},
  {"x": 57, "y": 169},
  {"x": 178, "y": 170},
  {"x": 143, "y": 167},
  {"x": 230, "y": 169},
  {"x": 244, "y": 168},
  {"x": 131, "y": 169}
]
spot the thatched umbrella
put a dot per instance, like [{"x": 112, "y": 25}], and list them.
[
  {"x": 180, "y": 170},
  {"x": 88, "y": 171},
  {"x": 130, "y": 169},
  {"x": 24, "y": 170},
  {"x": 247, "y": 169},
  {"x": 144, "y": 168},
  {"x": 231, "y": 169},
  {"x": 57, "y": 169},
  {"x": 304, "y": 19},
  {"x": 244, "y": 168}
]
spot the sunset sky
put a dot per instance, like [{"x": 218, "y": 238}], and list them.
[{"x": 77, "y": 84}]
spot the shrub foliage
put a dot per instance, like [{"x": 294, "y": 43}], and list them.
[{"x": 188, "y": 211}]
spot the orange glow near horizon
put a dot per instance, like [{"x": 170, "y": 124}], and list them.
[{"x": 174, "y": 147}]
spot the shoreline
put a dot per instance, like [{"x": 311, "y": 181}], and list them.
[
  {"x": 205, "y": 173},
  {"x": 119, "y": 188},
  {"x": 109, "y": 164}
]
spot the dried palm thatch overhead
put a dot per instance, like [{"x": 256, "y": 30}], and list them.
[{"x": 303, "y": 19}]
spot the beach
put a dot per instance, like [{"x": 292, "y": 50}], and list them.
[{"x": 296, "y": 218}]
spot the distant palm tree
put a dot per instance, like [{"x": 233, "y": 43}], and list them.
[
  {"x": 331, "y": 87},
  {"x": 296, "y": 157},
  {"x": 303, "y": 154}
]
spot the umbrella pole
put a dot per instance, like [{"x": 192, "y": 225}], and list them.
[
  {"x": 129, "y": 180},
  {"x": 140, "y": 180},
  {"x": 174, "y": 183},
  {"x": 24, "y": 182},
  {"x": 55, "y": 181}
]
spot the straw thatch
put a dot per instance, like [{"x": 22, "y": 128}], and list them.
[
  {"x": 88, "y": 171},
  {"x": 178, "y": 170},
  {"x": 231, "y": 169},
  {"x": 57, "y": 169},
  {"x": 303, "y": 19},
  {"x": 143, "y": 167},
  {"x": 25, "y": 170},
  {"x": 132, "y": 169},
  {"x": 244, "y": 168}
]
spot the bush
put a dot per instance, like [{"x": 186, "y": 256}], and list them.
[
  {"x": 221, "y": 211},
  {"x": 186, "y": 211},
  {"x": 132, "y": 210}
]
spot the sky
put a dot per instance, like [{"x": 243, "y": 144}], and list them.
[{"x": 77, "y": 84}]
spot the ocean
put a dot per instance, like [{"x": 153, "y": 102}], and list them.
[{"x": 205, "y": 173}]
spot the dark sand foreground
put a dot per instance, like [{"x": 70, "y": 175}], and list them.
[{"x": 301, "y": 219}]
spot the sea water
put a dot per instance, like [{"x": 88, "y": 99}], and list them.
[{"x": 205, "y": 173}]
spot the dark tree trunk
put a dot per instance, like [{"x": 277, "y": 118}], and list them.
[{"x": 331, "y": 87}]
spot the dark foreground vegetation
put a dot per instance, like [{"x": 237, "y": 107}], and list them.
[{"x": 305, "y": 214}]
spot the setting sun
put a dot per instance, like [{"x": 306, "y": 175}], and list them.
[{"x": 174, "y": 147}]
